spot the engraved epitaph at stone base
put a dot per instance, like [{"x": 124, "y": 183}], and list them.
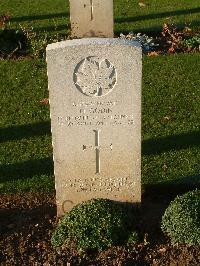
[
  {"x": 95, "y": 104},
  {"x": 91, "y": 18}
]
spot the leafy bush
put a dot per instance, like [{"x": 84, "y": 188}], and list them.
[
  {"x": 95, "y": 224},
  {"x": 181, "y": 220},
  {"x": 37, "y": 42},
  {"x": 192, "y": 43},
  {"x": 23, "y": 41}
]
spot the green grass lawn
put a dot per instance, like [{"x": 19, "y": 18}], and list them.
[
  {"x": 171, "y": 137},
  {"x": 171, "y": 86},
  {"x": 53, "y": 15}
]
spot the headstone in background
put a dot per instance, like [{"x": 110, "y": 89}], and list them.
[
  {"x": 95, "y": 101},
  {"x": 91, "y": 18}
]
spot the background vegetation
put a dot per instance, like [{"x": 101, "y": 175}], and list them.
[
  {"x": 53, "y": 16},
  {"x": 170, "y": 147}
]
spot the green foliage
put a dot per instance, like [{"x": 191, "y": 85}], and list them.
[
  {"x": 26, "y": 149},
  {"x": 128, "y": 14},
  {"x": 181, "y": 220},
  {"x": 37, "y": 42},
  {"x": 192, "y": 43},
  {"x": 133, "y": 237},
  {"x": 95, "y": 224},
  {"x": 23, "y": 41},
  {"x": 170, "y": 132}
]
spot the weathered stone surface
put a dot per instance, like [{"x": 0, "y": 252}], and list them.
[
  {"x": 91, "y": 18},
  {"x": 95, "y": 101}
]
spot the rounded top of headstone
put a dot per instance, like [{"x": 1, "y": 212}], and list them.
[{"x": 94, "y": 41}]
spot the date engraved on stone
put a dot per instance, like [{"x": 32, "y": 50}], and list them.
[{"x": 95, "y": 77}]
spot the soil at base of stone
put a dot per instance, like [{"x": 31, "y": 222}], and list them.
[{"x": 27, "y": 221}]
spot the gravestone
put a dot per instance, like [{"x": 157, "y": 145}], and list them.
[
  {"x": 91, "y": 18},
  {"x": 95, "y": 104}
]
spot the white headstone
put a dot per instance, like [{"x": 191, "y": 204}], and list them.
[
  {"x": 95, "y": 102},
  {"x": 91, "y": 18}
]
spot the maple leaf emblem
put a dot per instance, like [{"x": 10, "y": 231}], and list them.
[{"x": 95, "y": 77}]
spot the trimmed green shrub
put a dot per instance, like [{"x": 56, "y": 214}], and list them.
[
  {"x": 181, "y": 220},
  {"x": 95, "y": 225}
]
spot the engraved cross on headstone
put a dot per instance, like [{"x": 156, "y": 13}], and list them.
[
  {"x": 97, "y": 148},
  {"x": 91, "y": 6}
]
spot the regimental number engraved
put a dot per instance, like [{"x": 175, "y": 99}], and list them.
[
  {"x": 95, "y": 77},
  {"x": 97, "y": 148}
]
